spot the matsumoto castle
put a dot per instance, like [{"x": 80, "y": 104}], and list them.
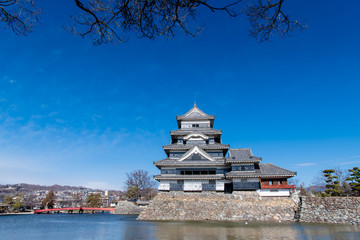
[{"x": 197, "y": 160}]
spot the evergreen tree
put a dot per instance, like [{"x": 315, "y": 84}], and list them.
[
  {"x": 49, "y": 200},
  {"x": 332, "y": 183},
  {"x": 94, "y": 200},
  {"x": 19, "y": 202},
  {"x": 354, "y": 180},
  {"x": 133, "y": 193},
  {"x": 9, "y": 200}
]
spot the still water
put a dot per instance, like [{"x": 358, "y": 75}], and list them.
[{"x": 111, "y": 227}]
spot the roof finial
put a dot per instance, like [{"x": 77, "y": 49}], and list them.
[{"x": 195, "y": 104}]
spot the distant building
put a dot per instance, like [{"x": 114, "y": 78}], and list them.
[{"x": 197, "y": 160}]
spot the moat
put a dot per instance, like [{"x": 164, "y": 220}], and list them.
[{"x": 109, "y": 227}]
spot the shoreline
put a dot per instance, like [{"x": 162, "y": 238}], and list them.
[{"x": 19, "y": 213}]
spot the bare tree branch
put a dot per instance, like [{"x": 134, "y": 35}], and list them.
[
  {"x": 107, "y": 21},
  {"x": 267, "y": 17},
  {"x": 19, "y": 15}
]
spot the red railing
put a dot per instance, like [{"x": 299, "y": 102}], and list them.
[
  {"x": 277, "y": 186},
  {"x": 73, "y": 209}
]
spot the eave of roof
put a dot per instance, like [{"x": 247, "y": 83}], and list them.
[
  {"x": 184, "y": 132},
  {"x": 251, "y": 160},
  {"x": 189, "y": 177}
]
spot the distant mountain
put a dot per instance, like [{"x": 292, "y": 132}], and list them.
[{"x": 24, "y": 187}]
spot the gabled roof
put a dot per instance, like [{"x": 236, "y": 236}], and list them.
[
  {"x": 242, "y": 155},
  {"x": 195, "y": 114},
  {"x": 198, "y": 152},
  {"x": 196, "y": 135}
]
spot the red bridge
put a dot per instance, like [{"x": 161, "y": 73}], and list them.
[{"x": 72, "y": 209}]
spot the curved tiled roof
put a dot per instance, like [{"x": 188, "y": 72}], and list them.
[
  {"x": 271, "y": 169},
  {"x": 195, "y": 114},
  {"x": 242, "y": 155},
  {"x": 266, "y": 170}
]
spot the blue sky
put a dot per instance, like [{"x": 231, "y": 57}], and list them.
[{"x": 72, "y": 113}]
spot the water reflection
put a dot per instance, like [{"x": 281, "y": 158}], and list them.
[
  {"x": 258, "y": 230},
  {"x": 224, "y": 231},
  {"x": 117, "y": 227}
]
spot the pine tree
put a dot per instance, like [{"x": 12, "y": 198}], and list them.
[
  {"x": 332, "y": 183},
  {"x": 93, "y": 200},
  {"x": 355, "y": 180},
  {"x": 49, "y": 200}
]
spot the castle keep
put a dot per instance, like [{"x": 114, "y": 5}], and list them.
[{"x": 198, "y": 161}]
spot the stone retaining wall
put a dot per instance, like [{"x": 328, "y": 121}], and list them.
[
  {"x": 330, "y": 210},
  {"x": 240, "y": 206},
  {"x": 249, "y": 206},
  {"x": 127, "y": 208}
]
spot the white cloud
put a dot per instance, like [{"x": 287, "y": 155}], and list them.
[
  {"x": 350, "y": 162},
  {"x": 305, "y": 164}
]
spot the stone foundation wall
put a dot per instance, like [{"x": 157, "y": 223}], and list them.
[
  {"x": 330, "y": 210},
  {"x": 240, "y": 206},
  {"x": 127, "y": 208}
]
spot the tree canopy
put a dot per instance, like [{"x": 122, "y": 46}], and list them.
[
  {"x": 93, "y": 200},
  {"x": 49, "y": 200},
  {"x": 105, "y": 21},
  {"x": 355, "y": 180},
  {"x": 332, "y": 183},
  {"x": 139, "y": 185}
]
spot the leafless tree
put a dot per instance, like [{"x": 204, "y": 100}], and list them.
[
  {"x": 19, "y": 15},
  {"x": 77, "y": 199},
  {"x": 343, "y": 175},
  {"x": 141, "y": 182},
  {"x": 268, "y": 17},
  {"x": 109, "y": 20},
  {"x": 319, "y": 182}
]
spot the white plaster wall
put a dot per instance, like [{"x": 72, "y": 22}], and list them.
[
  {"x": 280, "y": 193},
  {"x": 188, "y": 124},
  {"x": 220, "y": 185},
  {"x": 165, "y": 185},
  {"x": 193, "y": 185}
]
